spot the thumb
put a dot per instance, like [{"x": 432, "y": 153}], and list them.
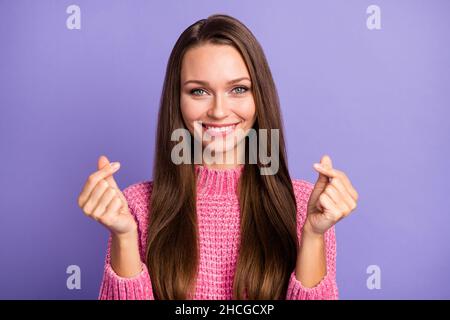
[
  {"x": 102, "y": 162},
  {"x": 326, "y": 162}
]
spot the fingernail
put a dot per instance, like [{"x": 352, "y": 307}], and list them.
[
  {"x": 318, "y": 165},
  {"x": 115, "y": 165}
]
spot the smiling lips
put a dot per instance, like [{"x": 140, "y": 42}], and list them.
[{"x": 219, "y": 129}]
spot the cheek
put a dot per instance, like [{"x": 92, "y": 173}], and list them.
[
  {"x": 190, "y": 110},
  {"x": 246, "y": 110}
]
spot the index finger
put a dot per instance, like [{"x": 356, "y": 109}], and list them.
[
  {"x": 334, "y": 173},
  {"x": 348, "y": 184}
]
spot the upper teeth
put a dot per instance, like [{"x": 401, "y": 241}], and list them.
[{"x": 220, "y": 129}]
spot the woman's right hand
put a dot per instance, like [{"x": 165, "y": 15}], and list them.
[{"x": 102, "y": 200}]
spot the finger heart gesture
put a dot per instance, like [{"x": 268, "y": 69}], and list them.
[{"x": 332, "y": 198}]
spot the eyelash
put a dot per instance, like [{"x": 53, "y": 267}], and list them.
[
  {"x": 199, "y": 89},
  {"x": 242, "y": 87}
]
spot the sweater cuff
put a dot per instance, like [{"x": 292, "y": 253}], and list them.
[
  {"x": 115, "y": 287},
  {"x": 326, "y": 289}
]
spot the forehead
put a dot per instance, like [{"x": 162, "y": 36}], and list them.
[{"x": 213, "y": 63}]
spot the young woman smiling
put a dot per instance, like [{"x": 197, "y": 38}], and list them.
[{"x": 219, "y": 230}]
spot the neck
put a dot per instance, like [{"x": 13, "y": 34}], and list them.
[{"x": 218, "y": 182}]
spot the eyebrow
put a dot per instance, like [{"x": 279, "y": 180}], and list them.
[{"x": 206, "y": 83}]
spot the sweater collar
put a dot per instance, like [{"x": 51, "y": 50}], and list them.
[{"x": 217, "y": 181}]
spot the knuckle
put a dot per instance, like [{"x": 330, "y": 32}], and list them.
[
  {"x": 323, "y": 199},
  {"x": 103, "y": 183},
  {"x": 87, "y": 211},
  {"x": 97, "y": 212},
  {"x": 347, "y": 206},
  {"x": 96, "y": 217},
  {"x": 336, "y": 217},
  {"x": 111, "y": 191}
]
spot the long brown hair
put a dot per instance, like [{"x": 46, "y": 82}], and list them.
[{"x": 268, "y": 238}]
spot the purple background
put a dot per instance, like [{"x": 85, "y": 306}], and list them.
[{"x": 376, "y": 101}]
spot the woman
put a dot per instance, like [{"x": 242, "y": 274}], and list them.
[{"x": 206, "y": 228}]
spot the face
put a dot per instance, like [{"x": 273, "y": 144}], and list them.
[{"x": 216, "y": 99}]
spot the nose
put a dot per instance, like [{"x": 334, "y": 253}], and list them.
[{"x": 218, "y": 109}]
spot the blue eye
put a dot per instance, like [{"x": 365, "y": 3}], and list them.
[
  {"x": 197, "y": 92},
  {"x": 240, "y": 90}
]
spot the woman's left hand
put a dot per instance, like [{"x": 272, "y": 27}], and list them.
[{"x": 332, "y": 198}]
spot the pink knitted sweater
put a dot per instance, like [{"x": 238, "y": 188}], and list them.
[{"x": 218, "y": 219}]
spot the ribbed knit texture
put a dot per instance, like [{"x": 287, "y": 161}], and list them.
[{"x": 218, "y": 218}]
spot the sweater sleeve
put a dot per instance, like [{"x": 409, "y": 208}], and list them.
[
  {"x": 327, "y": 288},
  {"x": 139, "y": 287}
]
